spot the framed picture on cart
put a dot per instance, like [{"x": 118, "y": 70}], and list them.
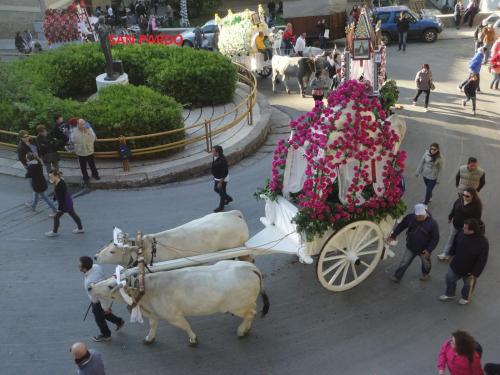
[{"x": 361, "y": 50}]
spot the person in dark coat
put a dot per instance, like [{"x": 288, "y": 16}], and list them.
[
  {"x": 492, "y": 369},
  {"x": 467, "y": 206},
  {"x": 38, "y": 182},
  {"x": 470, "y": 89},
  {"x": 470, "y": 254},
  {"x": 47, "y": 148},
  {"x": 60, "y": 133},
  {"x": 322, "y": 26},
  {"x": 220, "y": 171},
  {"x": 65, "y": 204},
  {"x": 422, "y": 237},
  {"x": 403, "y": 26},
  {"x": 89, "y": 361},
  {"x": 24, "y": 147}
]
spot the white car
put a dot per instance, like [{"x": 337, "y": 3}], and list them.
[
  {"x": 208, "y": 30},
  {"x": 490, "y": 20}
]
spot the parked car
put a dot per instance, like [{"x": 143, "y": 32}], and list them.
[
  {"x": 425, "y": 27},
  {"x": 208, "y": 30},
  {"x": 491, "y": 19}
]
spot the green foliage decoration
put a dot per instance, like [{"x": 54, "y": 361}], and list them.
[{"x": 389, "y": 95}]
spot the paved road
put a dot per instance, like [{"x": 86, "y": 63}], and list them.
[{"x": 377, "y": 328}]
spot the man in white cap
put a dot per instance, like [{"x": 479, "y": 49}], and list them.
[{"x": 422, "y": 236}]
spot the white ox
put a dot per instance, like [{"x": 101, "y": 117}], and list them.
[
  {"x": 213, "y": 232},
  {"x": 225, "y": 287},
  {"x": 301, "y": 68}
]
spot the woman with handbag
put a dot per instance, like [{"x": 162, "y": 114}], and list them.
[
  {"x": 65, "y": 204},
  {"x": 424, "y": 83}
]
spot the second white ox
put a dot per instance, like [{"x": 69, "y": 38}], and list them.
[
  {"x": 227, "y": 286},
  {"x": 213, "y": 232}
]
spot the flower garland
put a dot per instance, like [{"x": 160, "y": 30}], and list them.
[
  {"x": 61, "y": 25},
  {"x": 235, "y": 35},
  {"x": 350, "y": 131}
]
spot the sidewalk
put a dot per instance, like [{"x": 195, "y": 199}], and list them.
[{"x": 238, "y": 142}]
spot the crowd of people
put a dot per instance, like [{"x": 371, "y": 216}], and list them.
[{"x": 75, "y": 136}]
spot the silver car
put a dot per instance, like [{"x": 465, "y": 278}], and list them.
[{"x": 208, "y": 30}]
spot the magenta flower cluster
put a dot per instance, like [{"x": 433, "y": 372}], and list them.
[{"x": 352, "y": 127}]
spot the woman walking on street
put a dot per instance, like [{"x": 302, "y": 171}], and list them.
[
  {"x": 430, "y": 167},
  {"x": 495, "y": 66},
  {"x": 423, "y": 80},
  {"x": 468, "y": 206},
  {"x": 65, "y": 204},
  {"x": 38, "y": 183},
  {"x": 459, "y": 354},
  {"x": 470, "y": 89}
]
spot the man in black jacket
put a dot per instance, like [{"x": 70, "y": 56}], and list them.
[
  {"x": 403, "y": 26},
  {"x": 59, "y": 133},
  {"x": 422, "y": 237},
  {"x": 470, "y": 254},
  {"x": 220, "y": 171}
]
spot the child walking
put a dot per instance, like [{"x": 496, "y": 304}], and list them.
[
  {"x": 470, "y": 89},
  {"x": 38, "y": 183}
]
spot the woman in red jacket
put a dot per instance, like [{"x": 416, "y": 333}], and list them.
[
  {"x": 288, "y": 38},
  {"x": 460, "y": 356}
]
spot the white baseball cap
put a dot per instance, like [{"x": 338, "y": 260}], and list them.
[{"x": 420, "y": 209}]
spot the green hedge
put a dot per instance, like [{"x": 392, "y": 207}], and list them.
[
  {"x": 133, "y": 110},
  {"x": 60, "y": 80},
  {"x": 190, "y": 76},
  {"x": 187, "y": 79}
]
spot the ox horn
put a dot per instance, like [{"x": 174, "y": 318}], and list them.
[{"x": 118, "y": 286}]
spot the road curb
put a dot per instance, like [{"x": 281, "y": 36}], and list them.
[{"x": 195, "y": 168}]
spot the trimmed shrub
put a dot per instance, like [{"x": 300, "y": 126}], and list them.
[
  {"x": 194, "y": 77},
  {"x": 68, "y": 71},
  {"x": 133, "y": 110},
  {"x": 33, "y": 90}
]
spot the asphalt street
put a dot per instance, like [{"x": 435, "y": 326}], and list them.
[{"x": 376, "y": 328}]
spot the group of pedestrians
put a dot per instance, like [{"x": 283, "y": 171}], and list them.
[
  {"x": 466, "y": 247},
  {"x": 35, "y": 152},
  {"x": 488, "y": 53},
  {"x": 462, "y": 16}
]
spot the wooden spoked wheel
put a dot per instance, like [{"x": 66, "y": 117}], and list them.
[{"x": 350, "y": 255}]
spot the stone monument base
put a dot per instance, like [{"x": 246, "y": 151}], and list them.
[{"x": 101, "y": 82}]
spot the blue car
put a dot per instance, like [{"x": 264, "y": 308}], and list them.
[{"x": 424, "y": 28}]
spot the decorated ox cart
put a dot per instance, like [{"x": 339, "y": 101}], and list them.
[
  {"x": 335, "y": 193},
  {"x": 237, "y": 39}
]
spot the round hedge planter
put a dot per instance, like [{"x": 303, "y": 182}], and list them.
[{"x": 59, "y": 81}]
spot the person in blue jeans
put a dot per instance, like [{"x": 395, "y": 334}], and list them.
[
  {"x": 470, "y": 254},
  {"x": 34, "y": 171},
  {"x": 430, "y": 167},
  {"x": 422, "y": 236},
  {"x": 403, "y": 26}
]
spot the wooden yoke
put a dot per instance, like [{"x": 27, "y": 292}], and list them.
[{"x": 142, "y": 269}]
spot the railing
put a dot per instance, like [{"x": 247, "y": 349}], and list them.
[{"x": 244, "y": 76}]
